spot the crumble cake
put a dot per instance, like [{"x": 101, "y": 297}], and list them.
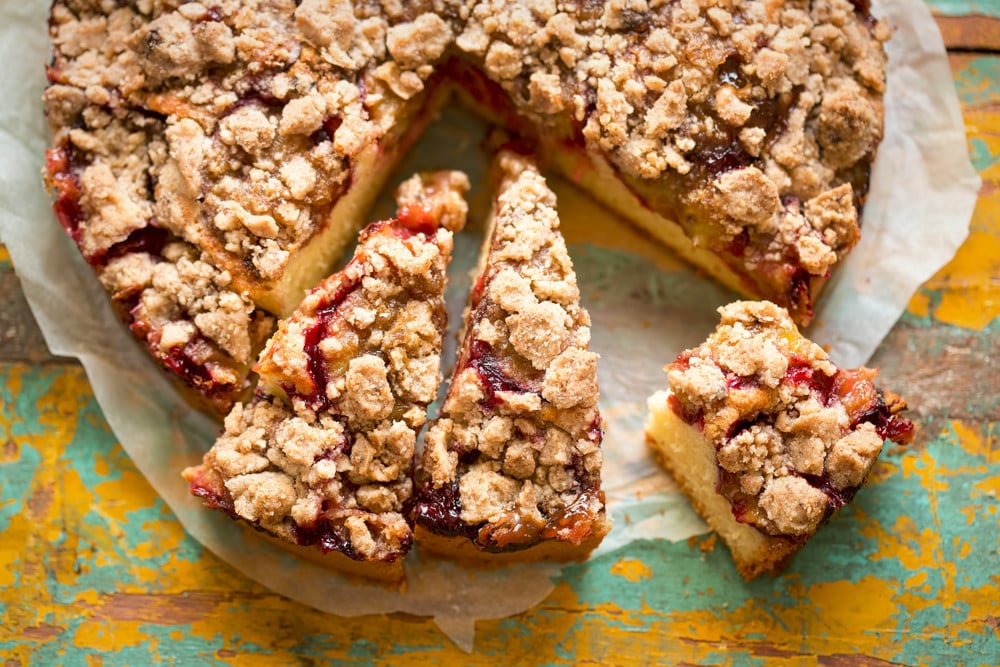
[
  {"x": 511, "y": 469},
  {"x": 257, "y": 133},
  {"x": 766, "y": 436},
  {"x": 322, "y": 456}
]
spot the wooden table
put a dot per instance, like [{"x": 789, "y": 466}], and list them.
[{"x": 95, "y": 570}]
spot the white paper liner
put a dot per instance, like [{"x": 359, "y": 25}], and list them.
[{"x": 923, "y": 192}]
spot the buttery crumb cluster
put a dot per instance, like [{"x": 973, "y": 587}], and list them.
[
  {"x": 188, "y": 314},
  {"x": 324, "y": 452},
  {"x": 784, "y": 420},
  {"x": 515, "y": 457}
]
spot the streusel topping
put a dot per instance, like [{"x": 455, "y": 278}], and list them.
[
  {"x": 235, "y": 127},
  {"x": 765, "y": 114},
  {"x": 324, "y": 453},
  {"x": 261, "y": 112},
  {"x": 794, "y": 436},
  {"x": 183, "y": 296},
  {"x": 515, "y": 457}
]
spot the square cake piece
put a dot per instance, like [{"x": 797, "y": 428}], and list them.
[
  {"x": 512, "y": 469},
  {"x": 766, "y": 436},
  {"x": 322, "y": 457}
]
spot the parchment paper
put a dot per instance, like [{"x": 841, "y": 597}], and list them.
[{"x": 646, "y": 307}]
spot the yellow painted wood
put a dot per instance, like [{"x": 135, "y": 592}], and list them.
[{"x": 94, "y": 570}]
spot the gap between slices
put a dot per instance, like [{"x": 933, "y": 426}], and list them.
[
  {"x": 767, "y": 437},
  {"x": 511, "y": 469},
  {"x": 322, "y": 456}
]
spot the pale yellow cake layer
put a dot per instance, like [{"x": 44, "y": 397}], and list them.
[
  {"x": 688, "y": 455},
  {"x": 600, "y": 180},
  {"x": 316, "y": 260}
]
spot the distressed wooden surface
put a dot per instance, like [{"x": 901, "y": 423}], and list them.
[{"x": 95, "y": 570}]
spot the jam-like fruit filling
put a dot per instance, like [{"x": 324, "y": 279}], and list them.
[
  {"x": 64, "y": 178},
  {"x": 595, "y": 430},
  {"x": 821, "y": 385},
  {"x": 863, "y": 8},
  {"x": 439, "y": 510},
  {"x": 214, "y": 498},
  {"x": 416, "y": 219},
  {"x": 327, "y": 535},
  {"x": 327, "y": 532},
  {"x": 192, "y": 362},
  {"x": 213, "y": 13},
  {"x": 195, "y": 374},
  {"x": 513, "y": 532},
  {"x": 327, "y": 130},
  {"x": 316, "y": 362},
  {"x": 149, "y": 239},
  {"x": 330, "y": 534},
  {"x": 491, "y": 372},
  {"x": 888, "y": 424},
  {"x": 575, "y": 522},
  {"x": 410, "y": 220},
  {"x": 719, "y": 158}
]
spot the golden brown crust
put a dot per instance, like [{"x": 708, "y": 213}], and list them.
[
  {"x": 514, "y": 461},
  {"x": 465, "y": 551}
]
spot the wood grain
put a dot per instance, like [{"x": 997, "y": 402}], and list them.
[
  {"x": 20, "y": 338},
  {"x": 970, "y": 33},
  {"x": 944, "y": 372}
]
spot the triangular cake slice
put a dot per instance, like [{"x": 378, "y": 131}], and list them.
[
  {"x": 511, "y": 471},
  {"x": 322, "y": 456},
  {"x": 766, "y": 436}
]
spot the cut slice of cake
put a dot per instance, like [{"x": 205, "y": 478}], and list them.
[
  {"x": 512, "y": 469},
  {"x": 766, "y": 436},
  {"x": 322, "y": 456}
]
